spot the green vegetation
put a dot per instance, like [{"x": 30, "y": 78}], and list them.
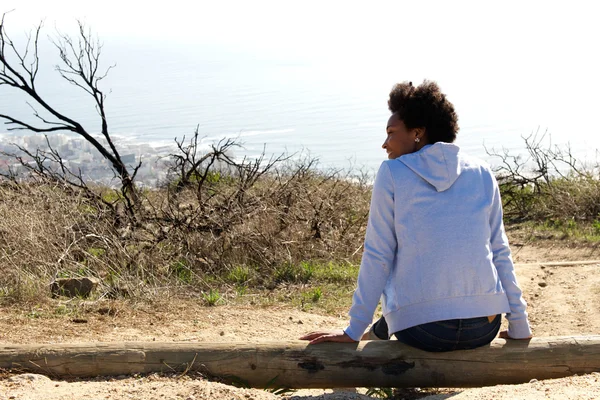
[
  {"x": 294, "y": 273},
  {"x": 239, "y": 275},
  {"x": 182, "y": 272},
  {"x": 315, "y": 294},
  {"x": 381, "y": 393},
  {"x": 212, "y": 297}
]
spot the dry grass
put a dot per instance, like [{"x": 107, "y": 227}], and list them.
[
  {"x": 45, "y": 231},
  {"x": 226, "y": 236}
]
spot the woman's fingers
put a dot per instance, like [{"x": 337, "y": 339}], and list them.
[
  {"x": 311, "y": 335},
  {"x": 327, "y": 336},
  {"x": 316, "y": 334},
  {"x": 322, "y": 338},
  {"x": 334, "y": 337}
]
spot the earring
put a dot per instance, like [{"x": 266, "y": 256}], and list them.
[{"x": 417, "y": 140}]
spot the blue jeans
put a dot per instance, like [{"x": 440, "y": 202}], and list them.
[{"x": 452, "y": 334}]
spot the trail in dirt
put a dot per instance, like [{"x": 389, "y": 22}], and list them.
[{"x": 562, "y": 300}]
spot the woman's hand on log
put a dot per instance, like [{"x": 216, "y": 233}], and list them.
[
  {"x": 504, "y": 335},
  {"x": 328, "y": 336}
]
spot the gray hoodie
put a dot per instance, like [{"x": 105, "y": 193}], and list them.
[{"x": 435, "y": 247}]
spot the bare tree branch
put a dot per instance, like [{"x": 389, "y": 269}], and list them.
[
  {"x": 80, "y": 63},
  {"x": 25, "y": 126}
]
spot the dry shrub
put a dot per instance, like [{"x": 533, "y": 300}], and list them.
[
  {"x": 256, "y": 216},
  {"x": 291, "y": 213},
  {"x": 548, "y": 185},
  {"x": 576, "y": 197}
]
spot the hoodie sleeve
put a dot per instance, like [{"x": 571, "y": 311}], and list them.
[
  {"x": 518, "y": 323},
  {"x": 378, "y": 256}
]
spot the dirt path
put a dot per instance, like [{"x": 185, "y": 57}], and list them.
[{"x": 562, "y": 301}]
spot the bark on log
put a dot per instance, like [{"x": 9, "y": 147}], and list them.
[{"x": 294, "y": 364}]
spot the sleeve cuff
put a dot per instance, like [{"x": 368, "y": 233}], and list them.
[
  {"x": 519, "y": 329},
  {"x": 356, "y": 329}
]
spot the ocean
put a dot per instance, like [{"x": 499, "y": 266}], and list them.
[{"x": 333, "y": 108}]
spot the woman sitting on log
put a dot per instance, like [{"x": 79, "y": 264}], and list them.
[{"x": 435, "y": 246}]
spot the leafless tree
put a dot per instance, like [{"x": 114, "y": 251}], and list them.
[
  {"x": 539, "y": 184},
  {"x": 79, "y": 66}
]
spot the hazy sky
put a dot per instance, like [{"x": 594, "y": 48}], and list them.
[
  {"x": 509, "y": 42},
  {"x": 396, "y": 31}
]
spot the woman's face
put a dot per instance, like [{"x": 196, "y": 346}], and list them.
[{"x": 399, "y": 140}]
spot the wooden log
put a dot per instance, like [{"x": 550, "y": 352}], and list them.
[{"x": 295, "y": 364}]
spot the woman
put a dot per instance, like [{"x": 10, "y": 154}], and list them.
[{"x": 435, "y": 246}]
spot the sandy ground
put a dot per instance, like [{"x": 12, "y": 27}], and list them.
[{"x": 563, "y": 300}]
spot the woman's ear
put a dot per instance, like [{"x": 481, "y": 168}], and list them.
[{"x": 419, "y": 133}]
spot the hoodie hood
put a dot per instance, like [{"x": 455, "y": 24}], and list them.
[{"x": 437, "y": 163}]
